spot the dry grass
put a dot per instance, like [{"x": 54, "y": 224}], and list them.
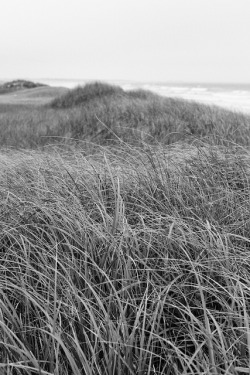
[
  {"x": 127, "y": 254},
  {"x": 106, "y": 115},
  {"x": 128, "y": 261}
]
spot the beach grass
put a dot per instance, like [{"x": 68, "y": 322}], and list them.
[
  {"x": 128, "y": 255},
  {"x": 106, "y": 114}
]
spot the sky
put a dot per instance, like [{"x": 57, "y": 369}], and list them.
[{"x": 139, "y": 40}]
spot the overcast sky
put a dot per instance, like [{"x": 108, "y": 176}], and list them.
[{"x": 152, "y": 40}]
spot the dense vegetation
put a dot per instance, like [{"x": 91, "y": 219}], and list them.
[
  {"x": 106, "y": 115},
  {"x": 19, "y": 84},
  {"x": 124, "y": 251},
  {"x": 86, "y": 94}
]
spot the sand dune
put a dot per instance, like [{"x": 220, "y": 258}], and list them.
[{"x": 38, "y": 95}]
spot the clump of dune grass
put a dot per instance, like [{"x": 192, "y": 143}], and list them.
[
  {"x": 84, "y": 94},
  {"x": 128, "y": 261}
]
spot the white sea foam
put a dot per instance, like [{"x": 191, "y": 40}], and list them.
[{"x": 236, "y": 100}]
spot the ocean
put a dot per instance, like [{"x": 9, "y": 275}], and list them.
[{"x": 235, "y": 97}]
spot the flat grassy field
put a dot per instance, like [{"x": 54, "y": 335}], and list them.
[{"x": 125, "y": 234}]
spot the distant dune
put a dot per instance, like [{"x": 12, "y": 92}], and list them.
[{"x": 37, "y": 95}]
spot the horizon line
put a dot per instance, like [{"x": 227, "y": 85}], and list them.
[{"x": 185, "y": 82}]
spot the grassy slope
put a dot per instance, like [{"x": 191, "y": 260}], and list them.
[
  {"x": 38, "y": 95},
  {"x": 131, "y": 260},
  {"x": 102, "y": 114}
]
